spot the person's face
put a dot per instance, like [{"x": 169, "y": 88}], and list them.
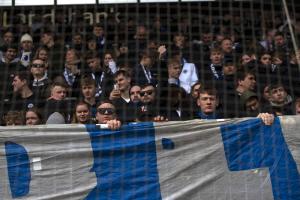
[
  {"x": 77, "y": 39},
  {"x": 207, "y": 37},
  {"x": 46, "y": 38},
  {"x": 8, "y": 37},
  {"x": 123, "y": 82},
  {"x": 141, "y": 33},
  {"x": 98, "y": 31},
  {"x": 179, "y": 40},
  {"x": 82, "y": 113},
  {"x": 88, "y": 91},
  {"x": 10, "y": 54},
  {"x": 297, "y": 107},
  {"x": 18, "y": 84},
  {"x": 229, "y": 69},
  {"x": 249, "y": 82},
  {"x": 92, "y": 45},
  {"x": 279, "y": 40},
  {"x": 245, "y": 59},
  {"x": 174, "y": 70},
  {"x": 58, "y": 93},
  {"x": 216, "y": 57},
  {"x": 252, "y": 104},
  {"x": 196, "y": 90},
  {"x": 94, "y": 64},
  {"x": 107, "y": 58},
  {"x": 266, "y": 59},
  {"x": 266, "y": 93},
  {"x": 278, "y": 95},
  {"x": 31, "y": 118},
  {"x": 135, "y": 94},
  {"x": 105, "y": 112},
  {"x": 207, "y": 103},
  {"x": 226, "y": 46},
  {"x": 148, "y": 94},
  {"x": 27, "y": 45},
  {"x": 147, "y": 61},
  {"x": 38, "y": 68},
  {"x": 43, "y": 55},
  {"x": 70, "y": 56}
]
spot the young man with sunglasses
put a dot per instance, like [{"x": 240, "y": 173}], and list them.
[
  {"x": 40, "y": 80},
  {"x": 106, "y": 114},
  {"x": 148, "y": 108}
]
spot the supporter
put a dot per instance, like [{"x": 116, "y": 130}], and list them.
[
  {"x": 82, "y": 114},
  {"x": 266, "y": 71},
  {"x": 174, "y": 70},
  {"x": 9, "y": 55},
  {"x": 227, "y": 47},
  {"x": 42, "y": 54},
  {"x": 9, "y": 66},
  {"x": 88, "y": 90},
  {"x": 176, "y": 105},
  {"x": 149, "y": 105},
  {"x": 297, "y": 106},
  {"x": 24, "y": 97},
  {"x": 229, "y": 68},
  {"x": 40, "y": 81},
  {"x": 135, "y": 96},
  {"x": 180, "y": 44},
  {"x": 280, "y": 101},
  {"x": 213, "y": 71},
  {"x": 99, "y": 34},
  {"x": 7, "y": 40},
  {"x": 109, "y": 62},
  {"x": 13, "y": 118},
  {"x": 248, "y": 59},
  {"x": 195, "y": 90},
  {"x": 231, "y": 90},
  {"x": 27, "y": 51},
  {"x": 77, "y": 43},
  {"x": 103, "y": 78},
  {"x": 207, "y": 104},
  {"x": 144, "y": 72},
  {"x": 250, "y": 104},
  {"x": 72, "y": 71},
  {"x": 280, "y": 42},
  {"x": 33, "y": 117},
  {"x": 246, "y": 80},
  {"x": 55, "y": 53},
  {"x": 120, "y": 96},
  {"x": 106, "y": 114},
  {"x": 267, "y": 44},
  {"x": 57, "y": 108},
  {"x": 91, "y": 43}
]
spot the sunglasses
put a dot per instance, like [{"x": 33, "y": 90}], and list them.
[
  {"x": 38, "y": 65},
  {"x": 146, "y": 92},
  {"x": 106, "y": 111}
]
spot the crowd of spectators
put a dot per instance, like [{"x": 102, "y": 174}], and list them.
[{"x": 95, "y": 78}]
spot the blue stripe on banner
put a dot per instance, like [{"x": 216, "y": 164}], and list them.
[
  {"x": 18, "y": 167},
  {"x": 125, "y": 163},
  {"x": 250, "y": 145}
]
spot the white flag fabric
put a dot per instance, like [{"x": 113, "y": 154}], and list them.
[{"x": 190, "y": 160}]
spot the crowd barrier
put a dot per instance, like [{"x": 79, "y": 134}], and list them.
[{"x": 190, "y": 160}]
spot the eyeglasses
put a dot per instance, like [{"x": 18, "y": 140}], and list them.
[
  {"x": 106, "y": 111},
  {"x": 146, "y": 92},
  {"x": 37, "y": 65}
]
